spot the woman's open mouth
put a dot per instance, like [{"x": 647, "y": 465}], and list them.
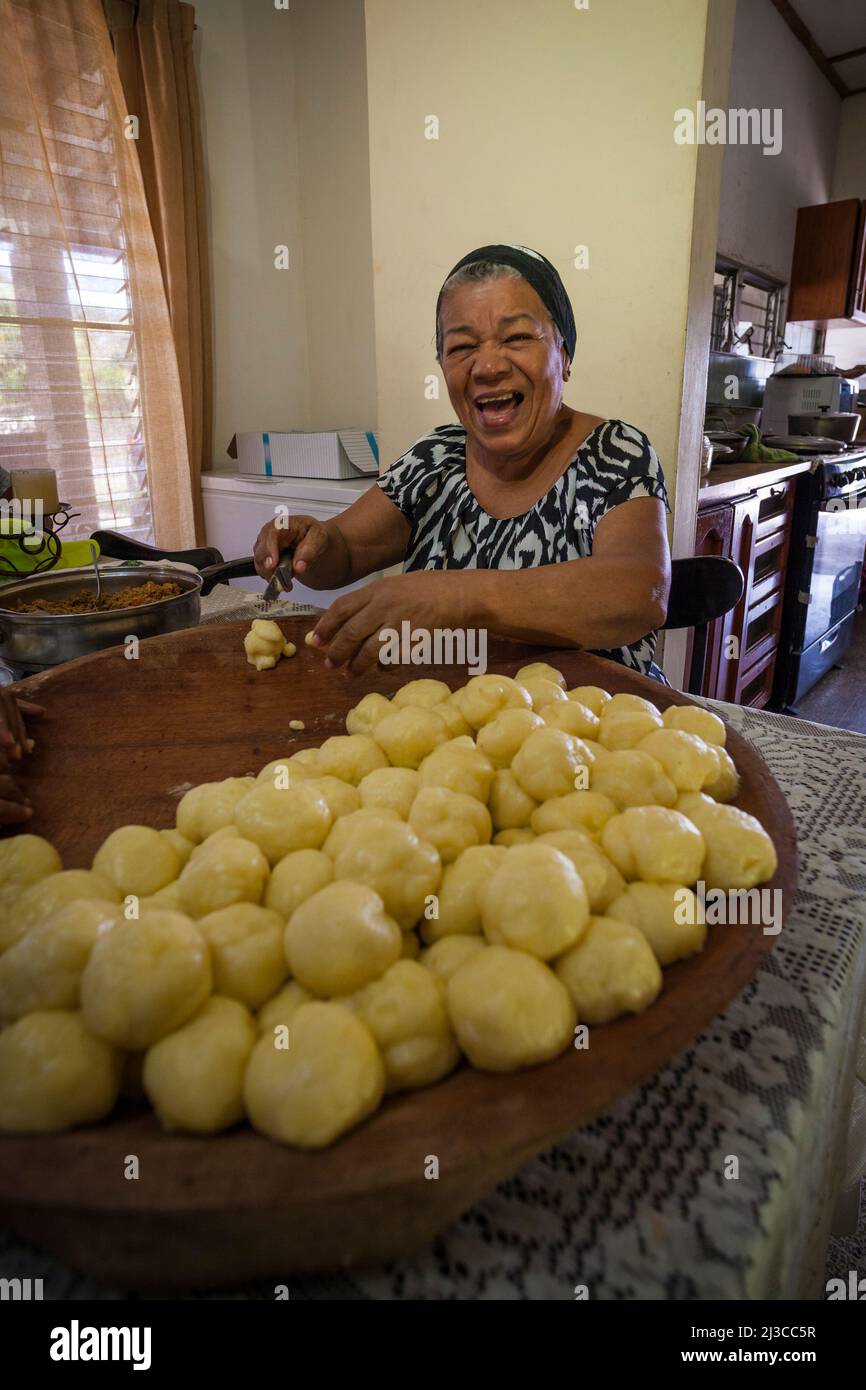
[{"x": 496, "y": 412}]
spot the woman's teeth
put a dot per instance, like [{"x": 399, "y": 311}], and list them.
[{"x": 499, "y": 409}]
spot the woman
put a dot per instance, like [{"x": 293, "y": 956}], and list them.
[{"x": 530, "y": 519}]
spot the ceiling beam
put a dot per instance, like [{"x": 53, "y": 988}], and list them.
[{"x": 803, "y": 33}]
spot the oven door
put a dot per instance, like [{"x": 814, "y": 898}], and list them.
[{"x": 837, "y": 563}]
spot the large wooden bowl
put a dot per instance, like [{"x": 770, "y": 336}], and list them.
[{"x": 120, "y": 739}]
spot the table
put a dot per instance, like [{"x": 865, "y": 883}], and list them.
[{"x": 638, "y": 1204}]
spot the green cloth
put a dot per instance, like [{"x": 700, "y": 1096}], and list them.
[{"x": 756, "y": 451}]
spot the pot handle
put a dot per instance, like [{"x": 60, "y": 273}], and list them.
[{"x": 228, "y": 569}]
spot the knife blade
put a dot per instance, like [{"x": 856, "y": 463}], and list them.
[{"x": 280, "y": 582}]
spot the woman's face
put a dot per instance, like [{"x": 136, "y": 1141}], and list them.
[{"x": 498, "y": 341}]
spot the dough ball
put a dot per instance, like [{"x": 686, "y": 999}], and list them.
[
  {"x": 168, "y": 897},
  {"x": 349, "y": 757},
  {"x": 265, "y": 643},
  {"x": 508, "y": 1009},
  {"x": 410, "y": 946},
  {"x": 424, "y": 694},
  {"x": 548, "y": 763},
  {"x": 483, "y": 697},
  {"x": 54, "y": 1074},
  {"x": 233, "y": 870},
  {"x": 455, "y": 724},
  {"x": 389, "y": 858},
  {"x": 210, "y": 806},
  {"x": 507, "y": 838},
  {"x": 306, "y": 758},
  {"x": 543, "y": 692},
  {"x": 534, "y": 901},
  {"x": 655, "y": 844},
  {"x": 406, "y": 1013},
  {"x": 246, "y": 951},
  {"x": 281, "y": 772},
  {"x": 592, "y": 696},
  {"x": 540, "y": 670},
  {"x": 43, "y": 970},
  {"x": 194, "y": 1078},
  {"x": 279, "y": 1011},
  {"x": 669, "y": 916},
  {"x": 630, "y": 777},
  {"x": 448, "y": 954},
  {"x": 228, "y": 832},
  {"x": 389, "y": 789},
  {"x": 182, "y": 847},
  {"x": 41, "y": 901},
  {"x": 329, "y": 1078},
  {"x": 340, "y": 939},
  {"x": 345, "y": 828},
  {"x": 296, "y": 878},
  {"x": 601, "y": 879},
  {"x": 458, "y": 909},
  {"x": 625, "y": 728},
  {"x": 740, "y": 853},
  {"x": 725, "y": 787},
  {"x": 503, "y": 737},
  {"x": 460, "y": 767},
  {"x": 450, "y": 821},
  {"x": 588, "y": 811},
  {"x": 688, "y": 761},
  {"x": 510, "y": 807},
  {"x": 408, "y": 734},
  {"x": 25, "y": 859},
  {"x": 572, "y": 718},
  {"x": 363, "y": 717},
  {"x": 694, "y": 720},
  {"x": 282, "y": 820},
  {"x": 145, "y": 978},
  {"x": 611, "y": 971},
  {"x": 137, "y": 860},
  {"x": 341, "y": 797},
  {"x": 625, "y": 702}
]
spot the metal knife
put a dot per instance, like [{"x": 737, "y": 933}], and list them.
[{"x": 280, "y": 582}]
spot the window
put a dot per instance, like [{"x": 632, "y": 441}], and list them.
[
  {"x": 748, "y": 316},
  {"x": 69, "y": 355}
]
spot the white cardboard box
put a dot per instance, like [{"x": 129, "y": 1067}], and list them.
[{"x": 306, "y": 454}]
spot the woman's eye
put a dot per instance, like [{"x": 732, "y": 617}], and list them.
[
  {"x": 517, "y": 337},
  {"x": 459, "y": 347}
]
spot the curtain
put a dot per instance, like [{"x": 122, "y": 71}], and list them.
[
  {"x": 153, "y": 46},
  {"x": 89, "y": 381}
]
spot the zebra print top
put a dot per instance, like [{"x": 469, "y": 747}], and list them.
[{"x": 451, "y": 530}]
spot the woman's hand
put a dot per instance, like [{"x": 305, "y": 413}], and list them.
[
  {"x": 14, "y": 746},
  {"x": 349, "y": 631},
  {"x": 307, "y": 537}
]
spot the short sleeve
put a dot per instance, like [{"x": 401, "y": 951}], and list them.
[
  {"x": 414, "y": 479},
  {"x": 628, "y": 465}
]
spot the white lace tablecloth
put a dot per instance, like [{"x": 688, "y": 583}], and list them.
[{"x": 636, "y": 1205}]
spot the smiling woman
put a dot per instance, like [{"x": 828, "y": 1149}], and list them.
[{"x": 527, "y": 518}]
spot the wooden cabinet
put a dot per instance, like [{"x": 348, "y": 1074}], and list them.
[
  {"x": 734, "y": 658},
  {"x": 828, "y": 269}
]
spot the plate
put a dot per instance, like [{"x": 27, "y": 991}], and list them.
[{"x": 120, "y": 743}]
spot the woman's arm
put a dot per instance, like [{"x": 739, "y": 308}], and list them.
[
  {"x": 613, "y": 597},
  {"x": 370, "y": 535}
]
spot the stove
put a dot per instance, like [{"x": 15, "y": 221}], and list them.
[{"x": 825, "y": 567}]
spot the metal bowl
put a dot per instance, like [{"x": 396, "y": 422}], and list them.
[{"x": 40, "y": 640}]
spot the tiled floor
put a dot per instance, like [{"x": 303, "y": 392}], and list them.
[{"x": 840, "y": 698}]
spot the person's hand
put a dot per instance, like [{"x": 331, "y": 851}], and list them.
[
  {"x": 349, "y": 632},
  {"x": 304, "y": 534},
  {"x": 14, "y": 746}
]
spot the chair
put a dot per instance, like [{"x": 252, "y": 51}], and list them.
[{"x": 703, "y": 588}]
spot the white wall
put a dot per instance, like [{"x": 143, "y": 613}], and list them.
[
  {"x": 848, "y": 345},
  {"x": 761, "y": 193},
  {"x": 261, "y": 370}
]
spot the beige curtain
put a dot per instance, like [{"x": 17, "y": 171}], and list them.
[
  {"x": 89, "y": 381},
  {"x": 153, "y": 46}
]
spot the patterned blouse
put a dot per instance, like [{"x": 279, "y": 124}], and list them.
[{"x": 451, "y": 530}]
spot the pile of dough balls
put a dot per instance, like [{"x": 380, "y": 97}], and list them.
[{"x": 461, "y": 874}]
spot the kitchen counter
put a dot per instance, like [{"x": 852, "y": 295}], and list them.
[
  {"x": 641, "y": 1204},
  {"x": 727, "y": 480}
]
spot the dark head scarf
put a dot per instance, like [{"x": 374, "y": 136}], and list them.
[{"x": 539, "y": 273}]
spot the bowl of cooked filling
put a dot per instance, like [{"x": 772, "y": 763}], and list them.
[{"x": 56, "y": 617}]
